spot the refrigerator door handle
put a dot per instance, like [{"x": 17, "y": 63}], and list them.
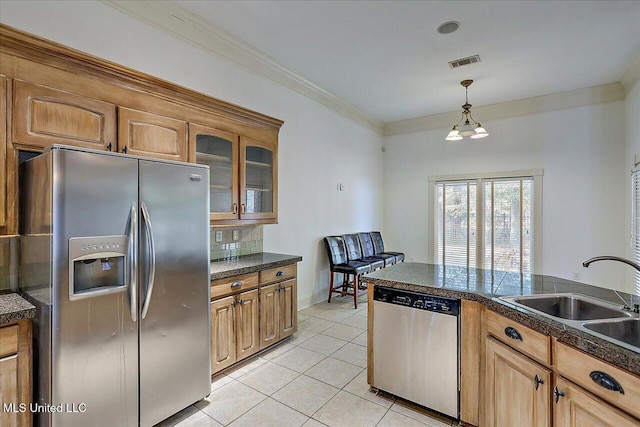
[
  {"x": 133, "y": 279},
  {"x": 152, "y": 251}
]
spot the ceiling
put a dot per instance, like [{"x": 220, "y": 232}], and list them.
[{"x": 387, "y": 59}]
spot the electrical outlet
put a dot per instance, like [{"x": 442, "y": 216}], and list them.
[
  {"x": 236, "y": 234},
  {"x": 218, "y": 236}
]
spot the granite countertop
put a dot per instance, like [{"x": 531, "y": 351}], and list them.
[
  {"x": 486, "y": 286},
  {"x": 13, "y": 308},
  {"x": 250, "y": 263}
]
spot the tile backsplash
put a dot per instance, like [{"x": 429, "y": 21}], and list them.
[{"x": 232, "y": 242}]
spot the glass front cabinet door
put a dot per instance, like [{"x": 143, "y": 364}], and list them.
[
  {"x": 258, "y": 179},
  {"x": 242, "y": 173},
  {"x": 219, "y": 150}
]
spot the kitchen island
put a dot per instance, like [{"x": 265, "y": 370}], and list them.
[{"x": 484, "y": 317}]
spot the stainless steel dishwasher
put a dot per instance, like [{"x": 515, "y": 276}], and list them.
[{"x": 415, "y": 348}]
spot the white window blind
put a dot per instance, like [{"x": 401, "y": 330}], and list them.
[
  {"x": 485, "y": 223},
  {"x": 635, "y": 223}
]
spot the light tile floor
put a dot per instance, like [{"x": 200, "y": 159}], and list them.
[{"x": 318, "y": 377}]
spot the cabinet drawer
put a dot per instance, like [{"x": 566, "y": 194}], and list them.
[
  {"x": 524, "y": 339},
  {"x": 229, "y": 285},
  {"x": 277, "y": 274},
  {"x": 580, "y": 367},
  {"x": 8, "y": 340}
]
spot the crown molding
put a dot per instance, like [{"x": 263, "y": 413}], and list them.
[
  {"x": 556, "y": 101},
  {"x": 170, "y": 17}
]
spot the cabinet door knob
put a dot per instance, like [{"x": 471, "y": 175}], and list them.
[
  {"x": 235, "y": 208},
  {"x": 109, "y": 146},
  {"x": 240, "y": 301},
  {"x": 236, "y": 284},
  {"x": 538, "y": 381},
  {"x": 606, "y": 381},
  {"x": 280, "y": 273},
  {"x": 557, "y": 394},
  {"x": 125, "y": 149},
  {"x": 242, "y": 209},
  {"x": 512, "y": 333},
  {"x": 233, "y": 303}
]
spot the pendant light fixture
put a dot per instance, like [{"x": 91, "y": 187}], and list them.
[{"x": 466, "y": 126}]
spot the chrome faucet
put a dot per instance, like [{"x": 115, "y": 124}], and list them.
[
  {"x": 611, "y": 258},
  {"x": 636, "y": 307}
]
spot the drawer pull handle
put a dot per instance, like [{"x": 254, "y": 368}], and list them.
[
  {"x": 280, "y": 273},
  {"x": 606, "y": 381},
  {"x": 538, "y": 381},
  {"x": 512, "y": 333},
  {"x": 557, "y": 394},
  {"x": 236, "y": 284}
]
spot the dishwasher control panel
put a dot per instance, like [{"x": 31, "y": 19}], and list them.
[{"x": 416, "y": 300}]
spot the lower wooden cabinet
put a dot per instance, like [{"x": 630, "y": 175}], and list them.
[
  {"x": 559, "y": 388},
  {"x": 278, "y": 313},
  {"x": 576, "y": 407},
  {"x": 249, "y": 314},
  {"x": 517, "y": 389},
  {"x": 234, "y": 329},
  {"x": 15, "y": 373}
]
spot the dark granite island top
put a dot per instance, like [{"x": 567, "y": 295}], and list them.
[
  {"x": 486, "y": 286},
  {"x": 250, "y": 263},
  {"x": 13, "y": 308}
]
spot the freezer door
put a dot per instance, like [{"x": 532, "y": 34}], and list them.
[
  {"x": 94, "y": 354},
  {"x": 174, "y": 288}
]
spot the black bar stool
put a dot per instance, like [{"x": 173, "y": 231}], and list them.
[{"x": 340, "y": 263}]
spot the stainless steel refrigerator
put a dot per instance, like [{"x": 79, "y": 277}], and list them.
[{"x": 115, "y": 255}]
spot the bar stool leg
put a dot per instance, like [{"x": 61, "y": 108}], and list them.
[
  {"x": 330, "y": 285},
  {"x": 355, "y": 291}
]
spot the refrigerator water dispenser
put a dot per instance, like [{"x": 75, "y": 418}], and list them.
[{"x": 98, "y": 266}]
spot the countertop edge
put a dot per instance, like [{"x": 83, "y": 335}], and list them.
[
  {"x": 14, "y": 308},
  {"x": 236, "y": 268},
  {"x": 616, "y": 355}
]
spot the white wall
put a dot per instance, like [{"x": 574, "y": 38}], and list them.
[
  {"x": 318, "y": 148},
  {"x": 582, "y": 152},
  {"x": 632, "y": 126}
]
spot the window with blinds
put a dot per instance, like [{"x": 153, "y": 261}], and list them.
[
  {"x": 635, "y": 224},
  {"x": 485, "y": 223}
]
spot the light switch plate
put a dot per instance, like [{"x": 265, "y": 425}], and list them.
[
  {"x": 236, "y": 234},
  {"x": 218, "y": 236}
]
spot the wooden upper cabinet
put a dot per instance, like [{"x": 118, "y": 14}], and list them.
[
  {"x": 219, "y": 150},
  {"x": 3, "y": 152},
  {"x": 43, "y": 116},
  {"x": 146, "y": 134},
  {"x": 243, "y": 174},
  {"x": 258, "y": 179}
]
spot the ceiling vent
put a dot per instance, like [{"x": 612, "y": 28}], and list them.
[{"x": 464, "y": 61}]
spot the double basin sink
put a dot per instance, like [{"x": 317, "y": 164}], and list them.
[{"x": 606, "y": 320}]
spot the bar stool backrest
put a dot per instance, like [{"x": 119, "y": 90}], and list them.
[
  {"x": 352, "y": 244},
  {"x": 366, "y": 243},
  {"x": 378, "y": 244},
  {"x": 335, "y": 250}
]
